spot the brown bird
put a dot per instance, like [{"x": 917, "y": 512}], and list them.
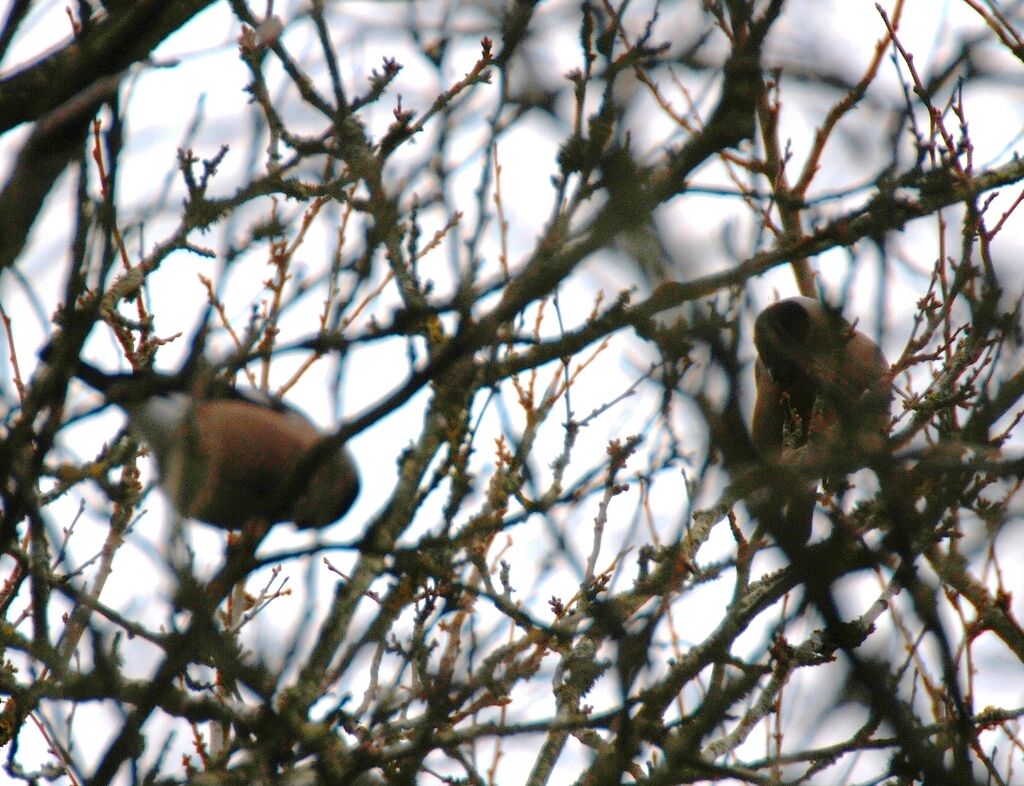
[
  {"x": 820, "y": 380},
  {"x": 228, "y": 456}
]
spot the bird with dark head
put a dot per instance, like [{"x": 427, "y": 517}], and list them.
[
  {"x": 227, "y": 457},
  {"x": 818, "y": 379}
]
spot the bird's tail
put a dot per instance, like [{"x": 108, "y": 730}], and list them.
[{"x": 88, "y": 373}]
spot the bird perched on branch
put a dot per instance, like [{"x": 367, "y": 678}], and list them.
[
  {"x": 820, "y": 381},
  {"x": 229, "y": 456}
]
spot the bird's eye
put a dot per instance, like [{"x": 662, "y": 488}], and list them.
[{"x": 792, "y": 322}]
